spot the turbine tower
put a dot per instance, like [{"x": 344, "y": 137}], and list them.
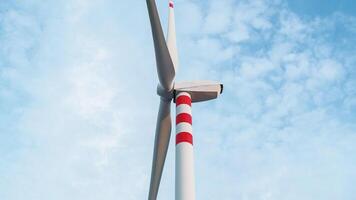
[{"x": 183, "y": 94}]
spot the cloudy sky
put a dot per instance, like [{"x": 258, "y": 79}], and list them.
[{"x": 78, "y": 103}]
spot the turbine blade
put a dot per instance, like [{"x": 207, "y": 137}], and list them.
[
  {"x": 163, "y": 134},
  {"x": 165, "y": 67},
  {"x": 171, "y": 36}
]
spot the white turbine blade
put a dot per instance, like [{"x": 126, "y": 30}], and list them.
[
  {"x": 163, "y": 134},
  {"x": 171, "y": 36},
  {"x": 165, "y": 66}
]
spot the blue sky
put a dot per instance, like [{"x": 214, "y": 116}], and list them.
[
  {"x": 320, "y": 8},
  {"x": 78, "y": 103}
]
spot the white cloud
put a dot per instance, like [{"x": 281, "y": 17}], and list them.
[
  {"x": 331, "y": 70},
  {"x": 218, "y": 17},
  {"x": 191, "y": 18}
]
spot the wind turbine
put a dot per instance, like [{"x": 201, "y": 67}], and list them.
[{"x": 183, "y": 94}]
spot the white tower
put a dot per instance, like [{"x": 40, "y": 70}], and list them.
[{"x": 185, "y": 182}]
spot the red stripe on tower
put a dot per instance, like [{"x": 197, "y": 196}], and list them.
[
  {"x": 183, "y": 99},
  {"x": 184, "y": 137},
  {"x": 184, "y": 117}
]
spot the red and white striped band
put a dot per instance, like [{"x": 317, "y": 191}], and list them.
[
  {"x": 171, "y": 4},
  {"x": 184, "y": 118}
]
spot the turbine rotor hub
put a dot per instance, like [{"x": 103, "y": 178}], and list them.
[{"x": 164, "y": 94}]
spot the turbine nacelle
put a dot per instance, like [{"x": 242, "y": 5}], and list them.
[{"x": 198, "y": 90}]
